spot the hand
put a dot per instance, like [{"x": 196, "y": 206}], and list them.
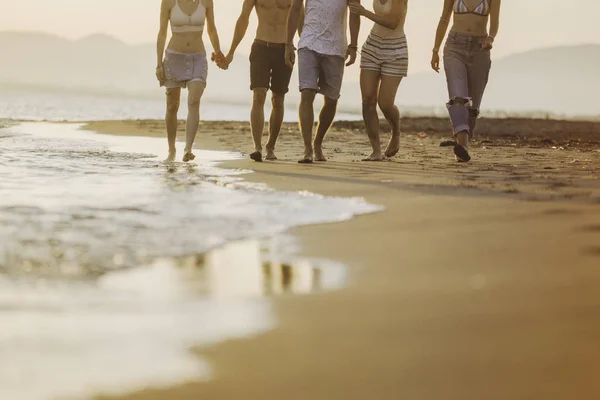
[
  {"x": 435, "y": 61},
  {"x": 219, "y": 58},
  {"x": 229, "y": 58},
  {"x": 350, "y": 56},
  {"x": 488, "y": 43},
  {"x": 356, "y": 8},
  {"x": 290, "y": 56},
  {"x": 160, "y": 73}
]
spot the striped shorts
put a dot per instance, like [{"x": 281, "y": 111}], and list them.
[{"x": 386, "y": 55}]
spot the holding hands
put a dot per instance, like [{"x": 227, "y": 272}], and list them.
[
  {"x": 219, "y": 58},
  {"x": 229, "y": 58}
]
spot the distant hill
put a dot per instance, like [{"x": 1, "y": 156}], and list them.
[
  {"x": 95, "y": 62},
  {"x": 102, "y": 64},
  {"x": 560, "y": 80}
]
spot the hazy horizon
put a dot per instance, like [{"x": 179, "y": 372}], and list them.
[
  {"x": 524, "y": 25},
  {"x": 100, "y": 66}
]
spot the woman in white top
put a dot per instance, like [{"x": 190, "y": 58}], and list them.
[
  {"x": 384, "y": 62},
  {"x": 185, "y": 64}
]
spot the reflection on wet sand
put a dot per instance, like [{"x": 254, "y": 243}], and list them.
[
  {"x": 240, "y": 269},
  {"x": 103, "y": 321}
]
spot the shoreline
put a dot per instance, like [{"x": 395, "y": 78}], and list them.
[
  {"x": 508, "y": 128},
  {"x": 458, "y": 290},
  {"x": 539, "y": 160}
]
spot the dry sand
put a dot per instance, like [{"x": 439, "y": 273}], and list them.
[{"x": 479, "y": 281}]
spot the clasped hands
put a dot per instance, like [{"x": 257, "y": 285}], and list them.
[{"x": 219, "y": 58}]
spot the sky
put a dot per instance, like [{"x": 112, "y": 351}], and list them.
[{"x": 525, "y": 24}]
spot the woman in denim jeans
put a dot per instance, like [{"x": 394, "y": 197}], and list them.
[{"x": 466, "y": 62}]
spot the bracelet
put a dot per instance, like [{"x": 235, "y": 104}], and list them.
[
  {"x": 352, "y": 47},
  {"x": 436, "y": 50}
]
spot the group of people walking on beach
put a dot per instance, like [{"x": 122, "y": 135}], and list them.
[{"x": 322, "y": 55}]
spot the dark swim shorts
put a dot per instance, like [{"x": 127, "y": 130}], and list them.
[{"x": 267, "y": 67}]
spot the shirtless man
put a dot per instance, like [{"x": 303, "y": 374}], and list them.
[{"x": 267, "y": 67}]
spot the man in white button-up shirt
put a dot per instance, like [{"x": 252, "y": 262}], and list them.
[{"x": 322, "y": 52}]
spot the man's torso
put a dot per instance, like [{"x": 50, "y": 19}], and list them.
[
  {"x": 324, "y": 28},
  {"x": 272, "y": 20}
]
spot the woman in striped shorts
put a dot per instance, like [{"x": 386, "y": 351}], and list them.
[{"x": 384, "y": 62}]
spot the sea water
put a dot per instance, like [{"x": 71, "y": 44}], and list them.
[{"x": 113, "y": 265}]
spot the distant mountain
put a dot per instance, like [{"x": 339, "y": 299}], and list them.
[
  {"x": 95, "y": 62},
  {"x": 560, "y": 80}
]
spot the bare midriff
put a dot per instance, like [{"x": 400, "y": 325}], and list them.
[
  {"x": 186, "y": 42},
  {"x": 470, "y": 24},
  {"x": 381, "y": 30},
  {"x": 272, "y": 20}
]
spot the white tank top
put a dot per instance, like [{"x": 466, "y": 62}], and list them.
[
  {"x": 181, "y": 22},
  {"x": 380, "y": 30}
]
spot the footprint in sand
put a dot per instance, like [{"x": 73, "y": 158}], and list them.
[
  {"x": 593, "y": 251},
  {"x": 591, "y": 228}
]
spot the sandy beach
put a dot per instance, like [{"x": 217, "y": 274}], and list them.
[{"x": 478, "y": 281}]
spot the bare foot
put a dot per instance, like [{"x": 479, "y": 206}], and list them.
[
  {"x": 171, "y": 157},
  {"x": 393, "y": 146},
  {"x": 308, "y": 157},
  {"x": 374, "y": 157},
  {"x": 256, "y": 156},
  {"x": 319, "y": 156},
  {"x": 270, "y": 155},
  {"x": 189, "y": 156}
]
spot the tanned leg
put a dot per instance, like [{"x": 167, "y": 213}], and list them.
[
  {"x": 275, "y": 122},
  {"x": 386, "y": 100},
  {"x": 195, "y": 91},
  {"x": 306, "y": 114},
  {"x": 369, "y": 87},
  {"x": 325, "y": 120},
  {"x": 173, "y": 96},
  {"x": 257, "y": 121}
]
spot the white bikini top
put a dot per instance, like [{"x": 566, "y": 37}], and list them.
[{"x": 181, "y": 22}]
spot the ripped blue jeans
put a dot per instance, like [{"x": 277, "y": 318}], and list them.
[{"x": 467, "y": 69}]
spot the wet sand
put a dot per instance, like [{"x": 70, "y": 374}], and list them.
[{"x": 479, "y": 281}]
